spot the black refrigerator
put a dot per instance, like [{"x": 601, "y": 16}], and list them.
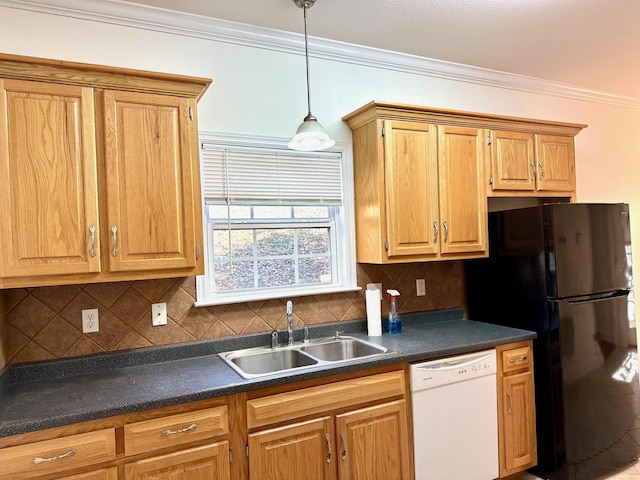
[{"x": 564, "y": 271}]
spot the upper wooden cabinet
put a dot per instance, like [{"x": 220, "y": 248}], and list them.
[
  {"x": 422, "y": 176},
  {"x": 419, "y": 186},
  {"x": 101, "y": 173}
]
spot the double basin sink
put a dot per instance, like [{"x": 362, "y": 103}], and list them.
[{"x": 262, "y": 361}]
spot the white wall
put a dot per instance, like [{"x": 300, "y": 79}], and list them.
[{"x": 261, "y": 91}]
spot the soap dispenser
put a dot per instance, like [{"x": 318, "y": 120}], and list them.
[{"x": 395, "y": 324}]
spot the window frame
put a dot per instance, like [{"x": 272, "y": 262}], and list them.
[{"x": 343, "y": 259}]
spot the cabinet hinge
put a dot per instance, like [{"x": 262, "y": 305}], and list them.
[
  {"x": 230, "y": 455},
  {"x": 382, "y": 131},
  {"x": 246, "y": 450},
  {"x": 386, "y": 245},
  {"x": 190, "y": 113},
  {"x": 489, "y": 140},
  {"x": 197, "y": 252},
  {"x": 490, "y": 179}
]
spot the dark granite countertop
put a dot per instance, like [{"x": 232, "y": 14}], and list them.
[{"x": 50, "y": 394}]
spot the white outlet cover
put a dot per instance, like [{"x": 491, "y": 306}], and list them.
[
  {"x": 420, "y": 287},
  {"x": 158, "y": 314},
  {"x": 90, "y": 321}
]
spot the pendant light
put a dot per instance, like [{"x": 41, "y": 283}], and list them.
[{"x": 310, "y": 135}]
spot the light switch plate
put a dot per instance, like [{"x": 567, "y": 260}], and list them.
[
  {"x": 158, "y": 314},
  {"x": 420, "y": 287}
]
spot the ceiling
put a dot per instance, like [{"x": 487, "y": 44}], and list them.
[{"x": 591, "y": 44}]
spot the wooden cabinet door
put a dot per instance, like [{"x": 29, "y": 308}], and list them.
[
  {"x": 102, "y": 474},
  {"x": 512, "y": 161},
  {"x": 411, "y": 177},
  {"x": 373, "y": 443},
  {"x": 49, "y": 182},
  {"x": 463, "y": 204},
  {"x": 293, "y": 452},
  {"x": 151, "y": 171},
  {"x": 209, "y": 462},
  {"x": 556, "y": 163},
  {"x": 518, "y": 442}
]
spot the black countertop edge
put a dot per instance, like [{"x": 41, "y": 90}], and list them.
[
  {"x": 101, "y": 362},
  {"x": 29, "y": 407}
]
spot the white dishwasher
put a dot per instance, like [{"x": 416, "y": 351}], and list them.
[{"x": 455, "y": 417}]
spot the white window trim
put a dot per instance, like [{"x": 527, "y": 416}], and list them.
[{"x": 345, "y": 255}]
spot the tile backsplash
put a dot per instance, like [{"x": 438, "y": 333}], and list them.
[{"x": 45, "y": 323}]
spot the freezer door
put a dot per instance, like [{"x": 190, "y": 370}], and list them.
[
  {"x": 599, "y": 378},
  {"x": 588, "y": 248}
]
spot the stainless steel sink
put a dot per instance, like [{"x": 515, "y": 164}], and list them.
[
  {"x": 342, "y": 348},
  {"x": 261, "y": 361}
]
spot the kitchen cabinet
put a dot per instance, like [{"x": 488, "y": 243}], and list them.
[
  {"x": 527, "y": 162},
  {"x": 422, "y": 176},
  {"x": 101, "y": 172},
  {"x": 102, "y": 474},
  {"x": 516, "y": 408},
  {"x": 209, "y": 462},
  {"x": 419, "y": 188},
  {"x": 341, "y": 439},
  {"x": 58, "y": 456}
]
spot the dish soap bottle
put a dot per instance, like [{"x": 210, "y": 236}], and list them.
[{"x": 395, "y": 324}]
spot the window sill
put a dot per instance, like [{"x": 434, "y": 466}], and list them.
[{"x": 270, "y": 295}]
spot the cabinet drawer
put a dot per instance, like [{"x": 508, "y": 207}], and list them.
[
  {"x": 516, "y": 359},
  {"x": 323, "y": 398},
  {"x": 57, "y": 455},
  {"x": 141, "y": 437}
]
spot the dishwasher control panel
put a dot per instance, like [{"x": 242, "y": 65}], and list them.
[{"x": 452, "y": 369}]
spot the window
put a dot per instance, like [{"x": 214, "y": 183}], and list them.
[{"x": 278, "y": 223}]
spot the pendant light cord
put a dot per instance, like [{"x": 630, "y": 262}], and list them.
[{"x": 306, "y": 56}]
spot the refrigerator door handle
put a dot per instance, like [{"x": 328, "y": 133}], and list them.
[{"x": 597, "y": 297}]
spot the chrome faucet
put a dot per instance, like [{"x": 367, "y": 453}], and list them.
[{"x": 290, "y": 321}]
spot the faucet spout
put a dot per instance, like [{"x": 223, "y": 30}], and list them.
[{"x": 290, "y": 321}]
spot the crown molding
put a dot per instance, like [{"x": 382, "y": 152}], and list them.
[{"x": 118, "y": 12}]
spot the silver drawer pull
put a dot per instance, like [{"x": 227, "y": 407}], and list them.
[
  {"x": 435, "y": 232},
  {"x": 510, "y": 407},
  {"x": 39, "y": 460},
  {"x": 343, "y": 456},
  {"x": 446, "y": 231},
  {"x": 166, "y": 433},
  {"x": 521, "y": 359},
  {"x": 328, "y": 439}
]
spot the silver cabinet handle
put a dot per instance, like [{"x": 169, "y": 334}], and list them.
[
  {"x": 114, "y": 230},
  {"x": 343, "y": 456},
  {"x": 328, "y": 438},
  {"x": 533, "y": 170},
  {"x": 446, "y": 231},
  {"x": 92, "y": 233},
  {"x": 541, "y": 171},
  {"x": 39, "y": 460},
  {"x": 435, "y": 231},
  {"x": 521, "y": 359},
  {"x": 166, "y": 433},
  {"x": 509, "y": 408}
]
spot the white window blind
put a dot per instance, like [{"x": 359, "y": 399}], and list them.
[{"x": 250, "y": 176}]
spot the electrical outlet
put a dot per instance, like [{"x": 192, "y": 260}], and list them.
[
  {"x": 90, "y": 322},
  {"x": 158, "y": 314},
  {"x": 420, "y": 287}
]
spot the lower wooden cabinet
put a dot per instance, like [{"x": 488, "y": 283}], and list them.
[
  {"x": 102, "y": 474},
  {"x": 516, "y": 409},
  {"x": 349, "y": 427},
  {"x": 292, "y": 452},
  {"x": 342, "y": 441},
  {"x": 209, "y": 462},
  {"x": 374, "y": 443}
]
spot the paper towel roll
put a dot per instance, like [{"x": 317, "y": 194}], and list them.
[{"x": 374, "y": 319}]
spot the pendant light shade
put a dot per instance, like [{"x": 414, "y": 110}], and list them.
[{"x": 310, "y": 135}]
